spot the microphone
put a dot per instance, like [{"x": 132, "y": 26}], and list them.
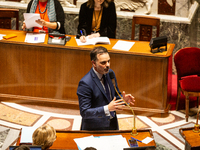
[{"x": 112, "y": 77}]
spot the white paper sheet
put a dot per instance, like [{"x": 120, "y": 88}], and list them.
[
  {"x": 26, "y": 134},
  {"x": 147, "y": 140},
  {"x": 85, "y": 142},
  {"x": 1, "y": 36},
  {"x": 30, "y": 19},
  {"x": 93, "y": 41},
  {"x": 115, "y": 142},
  {"x": 123, "y": 45},
  {"x": 35, "y": 37}
]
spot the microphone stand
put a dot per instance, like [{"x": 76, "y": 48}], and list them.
[
  {"x": 196, "y": 126},
  {"x": 134, "y": 130}
]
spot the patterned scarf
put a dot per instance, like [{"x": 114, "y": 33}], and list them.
[{"x": 50, "y": 10}]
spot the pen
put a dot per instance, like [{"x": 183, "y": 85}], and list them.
[
  {"x": 136, "y": 139},
  {"x": 81, "y": 32}
]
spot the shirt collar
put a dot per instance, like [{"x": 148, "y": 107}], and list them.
[{"x": 98, "y": 74}]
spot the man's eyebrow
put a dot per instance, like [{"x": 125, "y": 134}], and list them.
[{"x": 104, "y": 60}]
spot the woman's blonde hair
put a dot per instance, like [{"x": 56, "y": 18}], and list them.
[
  {"x": 45, "y": 136},
  {"x": 90, "y": 3}
]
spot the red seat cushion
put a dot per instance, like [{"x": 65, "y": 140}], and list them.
[{"x": 190, "y": 84}]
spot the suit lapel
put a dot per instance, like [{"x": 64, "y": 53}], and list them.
[{"x": 98, "y": 83}]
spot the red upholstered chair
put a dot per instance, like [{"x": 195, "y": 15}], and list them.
[{"x": 187, "y": 62}]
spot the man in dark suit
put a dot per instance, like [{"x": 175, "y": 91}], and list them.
[{"x": 97, "y": 107}]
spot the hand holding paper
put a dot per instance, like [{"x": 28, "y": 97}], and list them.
[{"x": 30, "y": 20}]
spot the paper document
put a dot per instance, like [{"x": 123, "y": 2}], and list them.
[
  {"x": 113, "y": 142},
  {"x": 1, "y": 36},
  {"x": 26, "y": 135},
  {"x": 123, "y": 45},
  {"x": 147, "y": 140},
  {"x": 93, "y": 41},
  {"x": 30, "y": 19},
  {"x": 35, "y": 37}
]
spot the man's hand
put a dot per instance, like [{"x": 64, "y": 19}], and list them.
[
  {"x": 116, "y": 105},
  {"x": 128, "y": 98}
]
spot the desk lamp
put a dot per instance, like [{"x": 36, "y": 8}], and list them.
[{"x": 134, "y": 130}]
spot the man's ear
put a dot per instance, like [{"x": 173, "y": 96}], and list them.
[{"x": 93, "y": 63}]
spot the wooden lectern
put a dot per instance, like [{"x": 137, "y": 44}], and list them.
[{"x": 191, "y": 138}]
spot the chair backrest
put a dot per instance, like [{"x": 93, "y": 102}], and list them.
[
  {"x": 6, "y": 16},
  {"x": 146, "y": 23},
  {"x": 187, "y": 61}
]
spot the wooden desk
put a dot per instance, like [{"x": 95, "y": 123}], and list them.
[
  {"x": 42, "y": 72},
  {"x": 191, "y": 138},
  {"x": 65, "y": 139}
]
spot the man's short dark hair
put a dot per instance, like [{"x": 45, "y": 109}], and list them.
[
  {"x": 90, "y": 148},
  {"x": 22, "y": 147},
  {"x": 96, "y": 51}
]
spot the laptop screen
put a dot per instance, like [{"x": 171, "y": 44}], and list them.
[{"x": 30, "y": 146}]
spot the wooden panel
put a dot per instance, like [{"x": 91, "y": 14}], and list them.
[
  {"x": 6, "y": 15},
  {"x": 165, "y": 8},
  {"x": 41, "y": 72},
  {"x": 5, "y": 23},
  {"x": 146, "y": 24}
]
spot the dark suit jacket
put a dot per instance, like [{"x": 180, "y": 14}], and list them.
[
  {"x": 108, "y": 20},
  {"x": 92, "y": 99}
]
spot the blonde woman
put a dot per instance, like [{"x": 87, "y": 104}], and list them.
[{"x": 45, "y": 136}]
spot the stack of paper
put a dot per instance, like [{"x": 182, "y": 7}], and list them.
[
  {"x": 114, "y": 142},
  {"x": 123, "y": 45},
  {"x": 35, "y": 37},
  {"x": 94, "y": 41},
  {"x": 1, "y": 36},
  {"x": 30, "y": 19},
  {"x": 26, "y": 135}
]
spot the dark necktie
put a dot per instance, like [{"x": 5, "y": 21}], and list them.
[
  {"x": 107, "y": 92},
  {"x": 106, "y": 87}
]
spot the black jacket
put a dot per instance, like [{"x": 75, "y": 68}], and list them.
[{"x": 108, "y": 20}]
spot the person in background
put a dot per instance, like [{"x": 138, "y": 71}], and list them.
[
  {"x": 22, "y": 147},
  {"x": 51, "y": 13},
  {"x": 45, "y": 136},
  {"x": 97, "y": 18},
  {"x": 90, "y": 148},
  {"x": 98, "y": 99}
]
